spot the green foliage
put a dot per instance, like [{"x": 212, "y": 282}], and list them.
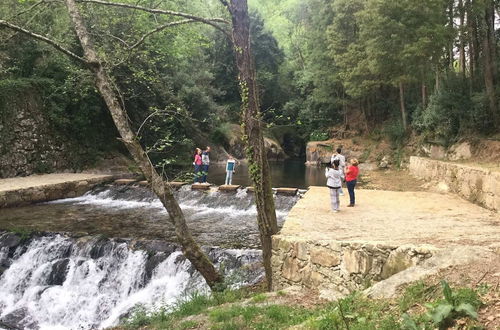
[
  {"x": 453, "y": 111},
  {"x": 318, "y": 136},
  {"x": 456, "y": 304},
  {"x": 396, "y": 134}
]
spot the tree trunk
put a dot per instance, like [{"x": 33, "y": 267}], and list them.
[
  {"x": 424, "y": 96},
  {"x": 105, "y": 86},
  {"x": 402, "y": 105},
  {"x": 252, "y": 129},
  {"x": 451, "y": 23},
  {"x": 471, "y": 36},
  {"x": 489, "y": 59},
  {"x": 461, "y": 9}
]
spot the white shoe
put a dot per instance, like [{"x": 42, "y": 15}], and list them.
[
  {"x": 341, "y": 194},
  {"x": 335, "y": 211}
]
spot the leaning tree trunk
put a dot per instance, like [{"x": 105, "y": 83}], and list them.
[
  {"x": 104, "y": 84},
  {"x": 402, "y": 105},
  {"x": 252, "y": 130}
]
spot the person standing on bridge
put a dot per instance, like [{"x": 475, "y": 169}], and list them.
[
  {"x": 230, "y": 170},
  {"x": 334, "y": 180},
  {"x": 351, "y": 176},
  {"x": 205, "y": 159},
  {"x": 341, "y": 159},
  {"x": 197, "y": 165}
]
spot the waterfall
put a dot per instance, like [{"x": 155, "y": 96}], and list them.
[{"x": 56, "y": 282}]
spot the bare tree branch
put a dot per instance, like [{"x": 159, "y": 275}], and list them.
[
  {"x": 44, "y": 39},
  {"x": 27, "y": 10},
  {"x": 209, "y": 21}
]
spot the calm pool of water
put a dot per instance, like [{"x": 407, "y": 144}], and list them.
[{"x": 289, "y": 173}]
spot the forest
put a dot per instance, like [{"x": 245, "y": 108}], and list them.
[{"x": 406, "y": 68}]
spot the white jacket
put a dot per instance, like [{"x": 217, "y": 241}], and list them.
[{"x": 334, "y": 177}]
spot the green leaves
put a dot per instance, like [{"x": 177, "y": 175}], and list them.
[{"x": 441, "y": 313}]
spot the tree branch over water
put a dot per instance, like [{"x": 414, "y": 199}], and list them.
[
  {"x": 42, "y": 38},
  {"x": 209, "y": 21}
]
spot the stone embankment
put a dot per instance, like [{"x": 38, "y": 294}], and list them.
[
  {"x": 341, "y": 265},
  {"x": 384, "y": 234},
  {"x": 478, "y": 185},
  {"x": 41, "y": 188}
]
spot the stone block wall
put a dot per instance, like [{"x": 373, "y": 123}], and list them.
[
  {"x": 340, "y": 266},
  {"x": 28, "y": 145},
  {"x": 478, "y": 185}
]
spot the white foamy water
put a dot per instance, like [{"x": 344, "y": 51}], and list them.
[{"x": 55, "y": 283}]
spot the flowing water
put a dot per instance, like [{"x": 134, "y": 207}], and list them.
[{"x": 84, "y": 280}]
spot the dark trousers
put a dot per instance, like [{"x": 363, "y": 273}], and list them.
[
  {"x": 197, "y": 173},
  {"x": 350, "y": 187},
  {"x": 204, "y": 173}
]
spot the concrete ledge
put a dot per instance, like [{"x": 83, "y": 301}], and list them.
[
  {"x": 342, "y": 266},
  {"x": 51, "y": 188},
  {"x": 229, "y": 188},
  {"x": 478, "y": 185}
]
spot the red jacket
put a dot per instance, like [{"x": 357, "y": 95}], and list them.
[{"x": 351, "y": 173}]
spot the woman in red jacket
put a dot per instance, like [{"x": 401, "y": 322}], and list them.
[
  {"x": 197, "y": 166},
  {"x": 351, "y": 176}
]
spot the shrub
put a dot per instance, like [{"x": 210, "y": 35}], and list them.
[{"x": 318, "y": 136}]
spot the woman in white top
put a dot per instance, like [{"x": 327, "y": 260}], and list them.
[{"x": 334, "y": 182}]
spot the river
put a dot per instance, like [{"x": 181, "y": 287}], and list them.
[
  {"x": 114, "y": 250},
  {"x": 289, "y": 173}
]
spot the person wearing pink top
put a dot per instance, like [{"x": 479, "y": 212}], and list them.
[
  {"x": 351, "y": 177},
  {"x": 197, "y": 165}
]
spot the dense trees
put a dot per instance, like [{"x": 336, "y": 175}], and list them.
[{"x": 391, "y": 60}]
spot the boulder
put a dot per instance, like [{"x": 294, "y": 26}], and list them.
[
  {"x": 274, "y": 150},
  {"x": 460, "y": 151}
]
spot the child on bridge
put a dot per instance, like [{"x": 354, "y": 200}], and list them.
[{"x": 230, "y": 167}]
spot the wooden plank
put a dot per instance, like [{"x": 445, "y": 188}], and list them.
[
  {"x": 176, "y": 184},
  {"x": 250, "y": 189},
  {"x": 200, "y": 186},
  {"x": 229, "y": 188},
  {"x": 124, "y": 181}
]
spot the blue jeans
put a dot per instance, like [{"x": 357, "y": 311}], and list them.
[
  {"x": 350, "y": 187},
  {"x": 229, "y": 177},
  {"x": 197, "y": 173},
  {"x": 204, "y": 173}
]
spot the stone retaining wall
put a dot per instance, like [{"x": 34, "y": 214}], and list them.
[
  {"x": 478, "y": 185},
  {"x": 341, "y": 266},
  {"x": 49, "y": 192}
]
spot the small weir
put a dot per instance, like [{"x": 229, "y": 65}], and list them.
[
  {"x": 57, "y": 282},
  {"x": 83, "y": 280}
]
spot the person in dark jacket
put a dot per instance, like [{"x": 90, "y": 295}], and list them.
[{"x": 205, "y": 159}]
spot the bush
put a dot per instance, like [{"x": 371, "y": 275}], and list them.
[
  {"x": 318, "y": 136},
  {"x": 453, "y": 111},
  {"x": 396, "y": 134}
]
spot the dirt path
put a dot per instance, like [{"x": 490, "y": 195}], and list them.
[
  {"x": 33, "y": 181},
  {"x": 392, "y": 217}
]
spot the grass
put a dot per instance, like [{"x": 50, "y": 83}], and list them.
[{"x": 416, "y": 308}]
